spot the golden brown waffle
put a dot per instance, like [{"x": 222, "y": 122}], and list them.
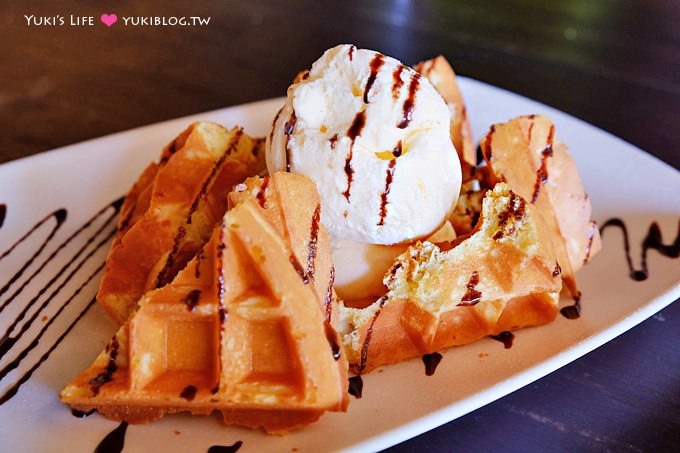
[
  {"x": 240, "y": 329},
  {"x": 524, "y": 153},
  {"x": 441, "y": 75},
  {"x": 503, "y": 276},
  {"x": 172, "y": 209}
]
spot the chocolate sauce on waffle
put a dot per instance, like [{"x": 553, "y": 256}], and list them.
[
  {"x": 276, "y": 118},
  {"x": 288, "y": 129},
  {"x": 431, "y": 362},
  {"x": 226, "y": 449},
  {"x": 189, "y": 392},
  {"x": 542, "y": 172},
  {"x": 506, "y": 338},
  {"x": 332, "y": 340},
  {"x": 557, "y": 270},
  {"x": 299, "y": 269},
  {"x": 262, "y": 193},
  {"x": 369, "y": 334},
  {"x": 375, "y": 65},
  {"x": 410, "y": 102},
  {"x": 82, "y": 414},
  {"x": 172, "y": 265},
  {"x": 313, "y": 239},
  {"x": 472, "y": 296},
  {"x": 114, "y": 441},
  {"x": 514, "y": 212},
  {"x": 589, "y": 247},
  {"x": 486, "y": 147},
  {"x": 106, "y": 375},
  {"x": 328, "y": 300},
  {"x": 191, "y": 300}
]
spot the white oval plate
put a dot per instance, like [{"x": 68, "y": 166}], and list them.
[{"x": 399, "y": 401}]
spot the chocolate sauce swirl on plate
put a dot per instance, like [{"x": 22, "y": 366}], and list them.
[
  {"x": 94, "y": 235},
  {"x": 653, "y": 240}
]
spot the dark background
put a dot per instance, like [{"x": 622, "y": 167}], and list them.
[{"x": 614, "y": 64}]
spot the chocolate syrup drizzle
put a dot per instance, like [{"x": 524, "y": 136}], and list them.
[
  {"x": 353, "y": 132},
  {"x": 397, "y": 82},
  {"x": 189, "y": 392},
  {"x": 410, "y": 102},
  {"x": 167, "y": 273},
  {"x": 313, "y": 239},
  {"x": 572, "y": 311},
  {"x": 222, "y": 309},
  {"x": 191, "y": 300},
  {"x": 350, "y": 52},
  {"x": 471, "y": 296},
  {"x": 288, "y": 129},
  {"x": 542, "y": 172},
  {"x": 375, "y": 65},
  {"x": 389, "y": 175},
  {"x": 75, "y": 263},
  {"x": 106, "y": 375},
  {"x": 82, "y": 414},
  {"x": 114, "y": 441},
  {"x": 431, "y": 362},
  {"x": 356, "y": 386},
  {"x": 589, "y": 247},
  {"x": 60, "y": 216},
  {"x": 514, "y": 212},
  {"x": 332, "y": 340},
  {"x": 262, "y": 193},
  {"x": 276, "y": 118},
  {"x": 333, "y": 141},
  {"x": 328, "y": 300},
  {"x": 506, "y": 338},
  {"x": 3, "y": 213},
  {"x": 226, "y": 449},
  {"x": 369, "y": 334},
  {"x": 653, "y": 240}
]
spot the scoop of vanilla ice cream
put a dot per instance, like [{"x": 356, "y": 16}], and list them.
[{"x": 374, "y": 135}]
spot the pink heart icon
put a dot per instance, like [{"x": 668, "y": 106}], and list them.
[{"x": 109, "y": 19}]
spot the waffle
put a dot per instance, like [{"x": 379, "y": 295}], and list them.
[
  {"x": 240, "y": 329},
  {"x": 503, "y": 276},
  {"x": 524, "y": 153},
  {"x": 172, "y": 209},
  {"x": 441, "y": 75}
]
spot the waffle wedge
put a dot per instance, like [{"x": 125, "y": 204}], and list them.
[
  {"x": 502, "y": 276},
  {"x": 524, "y": 153},
  {"x": 239, "y": 330},
  {"x": 442, "y": 76},
  {"x": 172, "y": 209}
]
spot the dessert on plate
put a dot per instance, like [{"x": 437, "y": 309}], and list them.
[{"x": 372, "y": 236}]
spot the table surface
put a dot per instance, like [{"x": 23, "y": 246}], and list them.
[{"x": 614, "y": 64}]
